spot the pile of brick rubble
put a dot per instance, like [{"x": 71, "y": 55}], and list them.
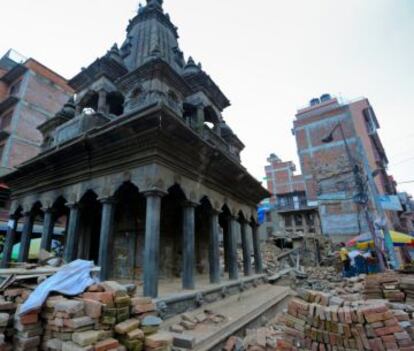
[
  {"x": 343, "y": 316},
  {"x": 106, "y": 317}
]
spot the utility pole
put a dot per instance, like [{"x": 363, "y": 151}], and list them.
[
  {"x": 361, "y": 197},
  {"x": 389, "y": 246}
]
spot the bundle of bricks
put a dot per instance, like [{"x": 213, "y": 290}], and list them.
[
  {"x": 313, "y": 323},
  {"x": 9, "y": 301},
  {"x": 72, "y": 324},
  {"x": 105, "y": 317},
  {"x": 142, "y": 307},
  {"x": 28, "y": 331},
  {"x": 385, "y": 285},
  {"x": 130, "y": 335},
  {"x": 407, "y": 285}
]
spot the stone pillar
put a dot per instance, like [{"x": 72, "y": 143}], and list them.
[
  {"x": 214, "y": 248},
  {"x": 200, "y": 118},
  {"x": 10, "y": 240},
  {"x": 28, "y": 219},
  {"x": 107, "y": 227},
  {"x": 247, "y": 263},
  {"x": 188, "y": 267},
  {"x": 72, "y": 235},
  {"x": 232, "y": 248},
  {"x": 152, "y": 243},
  {"x": 102, "y": 102},
  {"x": 258, "y": 263},
  {"x": 48, "y": 227}
]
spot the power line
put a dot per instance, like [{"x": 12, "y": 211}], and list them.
[
  {"x": 406, "y": 182},
  {"x": 403, "y": 161}
]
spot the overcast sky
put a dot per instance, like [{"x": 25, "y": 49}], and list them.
[{"x": 269, "y": 57}]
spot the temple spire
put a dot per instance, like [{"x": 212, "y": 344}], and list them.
[{"x": 152, "y": 35}]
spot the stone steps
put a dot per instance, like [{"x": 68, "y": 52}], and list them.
[{"x": 245, "y": 310}]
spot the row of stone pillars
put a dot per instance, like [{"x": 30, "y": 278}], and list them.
[
  {"x": 152, "y": 246},
  {"x": 152, "y": 242}
]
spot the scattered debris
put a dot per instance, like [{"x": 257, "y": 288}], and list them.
[{"x": 374, "y": 312}]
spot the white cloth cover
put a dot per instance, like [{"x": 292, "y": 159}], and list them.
[{"x": 72, "y": 279}]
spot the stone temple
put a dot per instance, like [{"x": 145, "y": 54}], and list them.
[{"x": 141, "y": 170}]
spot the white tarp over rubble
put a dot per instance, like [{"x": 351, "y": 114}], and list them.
[{"x": 71, "y": 280}]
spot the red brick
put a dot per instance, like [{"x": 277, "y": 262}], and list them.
[
  {"x": 107, "y": 298},
  {"x": 106, "y": 345}
]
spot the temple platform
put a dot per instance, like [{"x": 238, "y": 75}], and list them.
[
  {"x": 247, "y": 309},
  {"x": 173, "y": 300}
]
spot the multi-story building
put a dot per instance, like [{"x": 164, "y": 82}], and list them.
[
  {"x": 328, "y": 165},
  {"x": 30, "y": 94},
  {"x": 290, "y": 213}
]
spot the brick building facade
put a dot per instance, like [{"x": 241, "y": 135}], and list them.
[
  {"x": 327, "y": 168},
  {"x": 290, "y": 213},
  {"x": 30, "y": 94}
]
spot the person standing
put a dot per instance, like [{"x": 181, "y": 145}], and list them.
[{"x": 346, "y": 261}]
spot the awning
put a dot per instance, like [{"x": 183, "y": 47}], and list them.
[{"x": 364, "y": 241}]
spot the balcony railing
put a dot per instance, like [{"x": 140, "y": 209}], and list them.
[
  {"x": 212, "y": 137},
  {"x": 293, "y": 206}
]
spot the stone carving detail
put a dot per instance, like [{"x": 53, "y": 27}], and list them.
[{"x": 135, "y": 98}]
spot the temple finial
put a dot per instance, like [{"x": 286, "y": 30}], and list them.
[
  {"x": 140, "y": 8},
  {"x": 155, "y": 3}
]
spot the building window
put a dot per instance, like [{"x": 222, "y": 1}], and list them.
[
  {"x": 298, "y": 220},
  {"x": 310, "y": 219},
  {"x": 15, "y": 88},
  {"x": 288, "y": 221},
  {"x": 268, "y": 217}
]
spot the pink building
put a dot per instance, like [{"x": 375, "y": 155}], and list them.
[
  {"x": 30, "y": 94},
  {"x": 326, "y": 167}
]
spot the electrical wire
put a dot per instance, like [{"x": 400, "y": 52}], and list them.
[
  {"x": 406, "y": 182},
  {"x": 401, "y": 162}
]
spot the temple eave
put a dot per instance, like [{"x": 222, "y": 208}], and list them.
[{"x": 149, "y": 139}]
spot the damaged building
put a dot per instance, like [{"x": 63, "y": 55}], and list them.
[
  {"x": 30, "y": 94},
  {"x": 327, "y": 165},
  {"x": 142, "y": 168},
  {"x": 290, "y": 213}
]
